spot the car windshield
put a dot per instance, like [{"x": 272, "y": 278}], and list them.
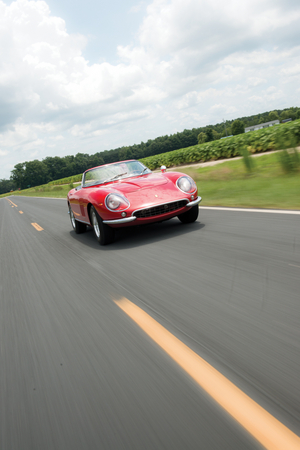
[{"x": 111, "y": 172}]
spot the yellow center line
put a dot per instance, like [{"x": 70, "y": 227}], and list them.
[
  {"x": 12, "y": 203},
  {"x": 271, "y": 433},
  {"x": 37, "y": 226}
]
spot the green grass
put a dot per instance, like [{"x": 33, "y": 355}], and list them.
[
  {"x": 43, "y": 191},
  {"x": 229, "y": 184},
  {"x": 226, "y": 184}
]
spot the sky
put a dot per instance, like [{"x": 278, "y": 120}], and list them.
[{"x": 96, "y": 75}]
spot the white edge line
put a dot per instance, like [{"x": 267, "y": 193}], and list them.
[{"x": 270, "y": 211}]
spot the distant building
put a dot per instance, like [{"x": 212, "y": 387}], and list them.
[{"x": 262, "y": 125}]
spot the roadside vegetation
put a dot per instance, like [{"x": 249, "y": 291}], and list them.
[
  {"x": 267, "y": 181},
  {"x": 283, "y": 136},
  {"x": 197, "y": 144}
]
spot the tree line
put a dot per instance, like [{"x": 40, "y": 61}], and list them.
[{"x": 35, "y": 173}]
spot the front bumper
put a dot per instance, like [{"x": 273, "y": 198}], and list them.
[
  {"x": 194, "y": 202},
  {"x": 125, "y": 220}
]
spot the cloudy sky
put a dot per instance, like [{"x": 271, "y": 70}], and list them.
[{"x": 95, "y": 75}]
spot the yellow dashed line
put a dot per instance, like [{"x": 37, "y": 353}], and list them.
[
  {"x": 12, "y": 203},
  {"x": 271, "y": 433},
  {"x": 37, "y": 226}
]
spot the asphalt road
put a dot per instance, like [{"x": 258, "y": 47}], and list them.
[{"x": 77, "y": 373}]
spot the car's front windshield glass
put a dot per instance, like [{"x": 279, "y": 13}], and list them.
[{"x": 111, "y": 172}]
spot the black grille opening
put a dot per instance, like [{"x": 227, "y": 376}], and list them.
[{"x": 160, "y": 209}]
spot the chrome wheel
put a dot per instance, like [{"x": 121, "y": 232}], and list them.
[
  {"x": 72, "y": 218},
  {"x": 96, "y": 224},
  {"x": 104, "y": 234}
]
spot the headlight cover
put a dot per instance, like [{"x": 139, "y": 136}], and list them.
[
  {"x": 116, "y": 202},
  {"x": 186, "y": 184}
]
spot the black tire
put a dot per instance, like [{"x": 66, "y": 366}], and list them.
[
  {"x": 104, "y": 233},
  {"x": 189, "y": 216},
  {"x": 78, "y": 227}
]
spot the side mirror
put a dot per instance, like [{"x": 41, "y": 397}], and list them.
[{"x": 163, "y": 169}]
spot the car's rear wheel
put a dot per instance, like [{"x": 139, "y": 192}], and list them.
[
  {"x": 104, "y": 233},
  {"x": 189, "y": 216},
  {"x": 78, "y": 227}
]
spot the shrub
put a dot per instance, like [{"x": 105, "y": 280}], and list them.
[
  {"x": 289, "y": 161},
  {"x": 248, "y": 161},
  {"x": 296, "y": 159}
]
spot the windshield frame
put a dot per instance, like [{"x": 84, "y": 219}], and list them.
[{"x": 109, "y": 173}]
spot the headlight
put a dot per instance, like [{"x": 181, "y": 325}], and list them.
[
  {"x": 186, "y": 184},
  {"x": 116, "y": 202}
]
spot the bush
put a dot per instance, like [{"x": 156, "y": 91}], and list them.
[
  {"x": 248, "y": 161},
  {"x": 289, "y": 161}
]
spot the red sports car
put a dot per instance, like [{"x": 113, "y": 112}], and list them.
[{"x": 127, "y": 193}]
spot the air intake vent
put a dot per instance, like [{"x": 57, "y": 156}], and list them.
[{"x": 160, "y": 209}]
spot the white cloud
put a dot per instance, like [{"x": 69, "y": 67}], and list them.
[
  {"x": 191, "y": 63},
  {"x": 293, "y": 70},
  {"x": 58, "y": 138}
]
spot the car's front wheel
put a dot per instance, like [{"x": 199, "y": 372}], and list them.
[
  {"x": 189, "y": 216},
  {"x": 104, "y": 233},
  {"x": 78, "y": 227}
]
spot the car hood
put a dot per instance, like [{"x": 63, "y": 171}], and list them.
[{"x": 137, "y": 183}]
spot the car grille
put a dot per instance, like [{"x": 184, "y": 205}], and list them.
[{"x": 160, "y": 209}]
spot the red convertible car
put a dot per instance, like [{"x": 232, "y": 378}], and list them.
[{"x": 127, "y": 193}]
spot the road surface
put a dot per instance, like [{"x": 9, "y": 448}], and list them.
[{"x": 77, "y": 372}]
